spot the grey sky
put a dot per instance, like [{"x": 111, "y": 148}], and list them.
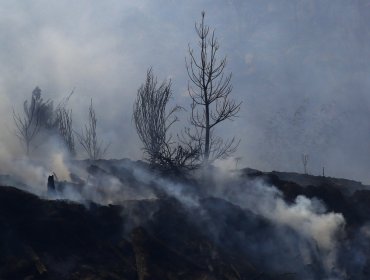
[{"x": 301, "y": 68}]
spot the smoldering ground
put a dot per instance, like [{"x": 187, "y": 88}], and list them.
[{"x": 249, "y": 216}]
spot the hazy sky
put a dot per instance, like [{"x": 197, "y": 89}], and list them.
[{"x": 300, "y": 67}]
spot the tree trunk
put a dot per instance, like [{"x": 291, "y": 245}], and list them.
[{"x": 207, "y": 142}]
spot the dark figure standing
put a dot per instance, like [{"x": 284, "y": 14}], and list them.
[{"x": 51, "y": 184}]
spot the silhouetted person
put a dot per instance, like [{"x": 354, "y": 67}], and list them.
[{"x": 51, "y": 184}]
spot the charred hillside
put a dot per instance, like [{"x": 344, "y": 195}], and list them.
[
  {"x": 344, "y": 196},
  {"x": 251, "y": 225},
  {"x": 51, "y": 239}
]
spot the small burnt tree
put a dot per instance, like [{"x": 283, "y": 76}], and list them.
[
  {"x": 209, "y": 89},
  {"x": 36, "y": 115},
  {"x": 152, "y": 123},
  {"x": 305, "y": 163},
  {"x": 88, "y": 138},
  {"x": 64, "y": 121},
  {"x": 63, "y": 125},
  {"x": 41, "y": 120}
]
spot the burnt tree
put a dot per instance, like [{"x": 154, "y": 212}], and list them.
[
  {"x": 209, "y": 89},
  {"x": 36, "y": 114},
  {"x": 88, "y": 138},
  {"x": 63, "y": 124},
  {"x": 153, "y": 121},
  {"x": 64, "y": 120}
]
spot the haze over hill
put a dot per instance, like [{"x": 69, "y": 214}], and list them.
[{"x": 300, "y": 67}]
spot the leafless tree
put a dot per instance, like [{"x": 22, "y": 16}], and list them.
[
  {"x": 40, "y": 118},
  {"x": 63, "y": 124},
  {"x": 34, "y": 117},
  {"x": 150, "y": 117},
  {"x": 153, "y": 121},
  {"x": 88, "y": 138},
  {"x": 237, "y": 160},
  {"x": 210, "y": 94},
  {"x": 64, "y": 119},
  {"x": 305, "y": 162}
]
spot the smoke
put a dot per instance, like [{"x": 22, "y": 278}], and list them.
[
  {"x": 321, "y": 230},
  {"x": 298, "y": 66},
  {"x": 304, "y": 227},
  {"x": 308, "y": 216},
  {"x": 305, "y": 230},
  {"x": 58, "y": 164}
]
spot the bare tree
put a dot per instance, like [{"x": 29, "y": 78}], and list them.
[
  {"x": 39, "y": 117},
  {"x": 153, "y": 121},
  {"x": 237, "y": 160},
  {"x": 63, "y": 124},
  {"x": 34, "y": 117},
  {"x": 89, "y": 139},
  {"x": 305, "y": 162},
  {"x": 64, "y": 119},
  {"x": 210, "y": 94},
  {"x": 150, "y": 117}
]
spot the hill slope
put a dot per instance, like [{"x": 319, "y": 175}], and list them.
[{"x": 251, "y": 225}]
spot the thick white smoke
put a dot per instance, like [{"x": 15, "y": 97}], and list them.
[
  {"x": 307, "y": 217},
  {"x": 50, "y": 158}
]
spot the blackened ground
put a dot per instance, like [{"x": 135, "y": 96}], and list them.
[
  {"x": 162, "y": 239},
  {"x": 49, "y": 239}
]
